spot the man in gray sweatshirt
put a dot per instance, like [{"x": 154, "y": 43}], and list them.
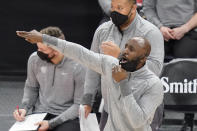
[
  {"x": 134, "y": 92},
  {"x": 125, "y": 23},
  {"x": 54, "y": 85}
]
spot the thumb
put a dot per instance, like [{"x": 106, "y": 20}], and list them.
[
  {"x": 86, "y": 113},
  {"x": 23, "y": 113},
  {"x": 107, "y": 42},
  {"x": 38, "y": 123},
  {"x": 171, "y": 30}
]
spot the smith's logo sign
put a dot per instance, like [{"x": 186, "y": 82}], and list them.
[{"x": 179, "y": 87}]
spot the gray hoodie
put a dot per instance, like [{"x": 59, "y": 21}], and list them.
[
  {"x": 55, "y": 89},
  {"x": 132, "y": 102}
]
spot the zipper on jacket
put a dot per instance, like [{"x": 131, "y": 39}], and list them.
[
  {"x": 122, "y": 34},
  {"x": 54, "y": 72}
]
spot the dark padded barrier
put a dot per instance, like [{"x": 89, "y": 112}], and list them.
[{"x": 179, "y": 78}]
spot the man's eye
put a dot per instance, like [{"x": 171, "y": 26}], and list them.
[
  {"x": 120, "y": 8},
  {"x": 131, "y": 48}
]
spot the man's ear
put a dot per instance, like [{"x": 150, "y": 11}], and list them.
[
  {"x": 134, "y": 9},
  {"x": 62, "y": 37},
  {"x": 143, "y": 60}
]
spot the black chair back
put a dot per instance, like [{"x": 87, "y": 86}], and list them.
[{"x": 179, "y": 78}]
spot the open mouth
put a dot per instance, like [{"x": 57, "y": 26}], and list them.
[{"x": 123, "y": 60}]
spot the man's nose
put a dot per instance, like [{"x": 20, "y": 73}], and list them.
[{"x": 125, "y": 51}]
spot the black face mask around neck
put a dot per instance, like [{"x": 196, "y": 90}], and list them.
[
  {"x": 44, "y": 56},
  {"x": 119, "y": 19},
  {"x": 129, "y": 66}
]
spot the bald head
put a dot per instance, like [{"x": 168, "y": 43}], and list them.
[{"x": 143, "y": 43}]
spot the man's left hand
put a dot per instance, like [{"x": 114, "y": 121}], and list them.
[
  {"x": 179, "y": 32},
  {"x": 44, "y": 125},
  {"x": 32, "y": 36},
  {"x": 109, "y": 48},
  {"x": 118, "y": 73}
]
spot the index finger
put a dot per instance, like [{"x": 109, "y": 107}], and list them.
[
  {"x": 169, "y": 35},
  {"x": 22, "y": 33},
  {"x": 108, "y": 42},
  {"x": 38, "y": 123},
  {"x": 17, "y": 116}
]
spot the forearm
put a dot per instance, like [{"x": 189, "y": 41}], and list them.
[
  {"x": 30, "y": 97},
  {"x": 70, "y": 114},
  {"x": 130, "y": 107},
  {"x": 139, "y": 112},
  {"x": 76, "y": 52},
  {"x": 136, "y": 115},
  {"x": 192, "y": 23}
]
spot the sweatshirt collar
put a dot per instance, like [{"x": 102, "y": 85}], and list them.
[
  {"x": 138, "y": 73},
  {"x": 132, "y": 25},
  {"x": 62, "y": 62}
]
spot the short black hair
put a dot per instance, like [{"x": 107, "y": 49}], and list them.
[{"x": 132, "y": 1}]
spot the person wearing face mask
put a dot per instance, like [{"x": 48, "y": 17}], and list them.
[
  {"x": 110, "y": 38},
  {"x": 134, "y": 92},
  {"x": 54, "y": 85}
]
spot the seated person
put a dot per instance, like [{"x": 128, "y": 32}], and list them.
[
  {"x": 54, "y": 85},
  {"x": 177, "y": 21},
  {"x": 134, "y": 92}
]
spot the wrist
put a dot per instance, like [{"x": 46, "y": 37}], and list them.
[
  {"x": 87, "y": 99},
  {"x": 25, "y": 107},
  {"x": 160, "y": 25},
  {"x": 161, "y": 28},
  {"x": 186, "y": 28},
  {"x": 54, "y": 122}
]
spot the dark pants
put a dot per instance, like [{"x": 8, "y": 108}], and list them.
[
  {"x": 189, "y": 119},
  {"x": 70, "y": 125},
  {"x": 158, "y": 118},
  {"x": 103, "y": 120},
  {"x": 186, "y": 47},
  {"x": 156, "y": 123}
]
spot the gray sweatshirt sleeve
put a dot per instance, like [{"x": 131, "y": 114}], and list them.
[
  {"x": 72, "y": 112},
  {"x": 31, "y": 89},
  {"x": 78, "y": 53},
  {"x": 156, "y": 57},
  {"x": 149, "y": 7},
  {"x": 140, "y": 113}
]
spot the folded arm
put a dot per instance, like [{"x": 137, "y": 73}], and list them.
[{"x": 139, "y": 113}]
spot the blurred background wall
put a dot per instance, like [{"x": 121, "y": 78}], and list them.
[{"x": 77, "y": 18}]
